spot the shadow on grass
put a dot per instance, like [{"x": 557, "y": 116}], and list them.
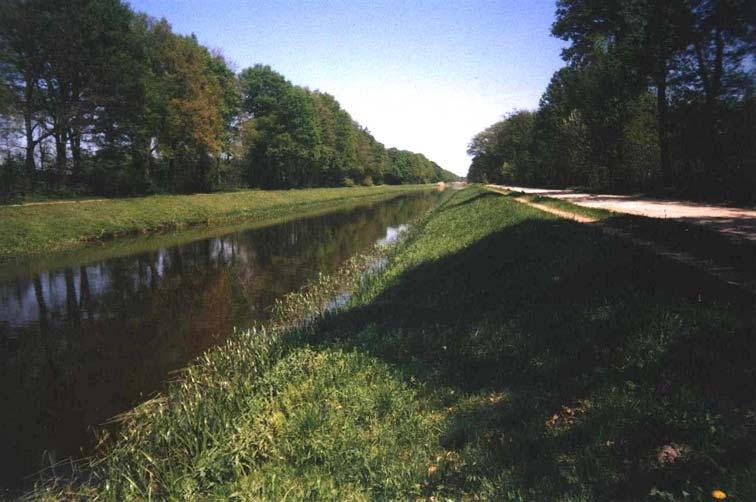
[
  {"x": 482, "y": 195},
  {"x": 573, "y": 366},
  {"x": 726, "y": 247}
]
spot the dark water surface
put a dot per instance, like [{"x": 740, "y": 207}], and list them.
[{"x": 88, "y": 338}]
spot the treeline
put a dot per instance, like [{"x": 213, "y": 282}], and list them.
[
  {"x": 98, "y": 98},
  {"x": 298, "y": 137},
  {"x": 658, "y": 95}
]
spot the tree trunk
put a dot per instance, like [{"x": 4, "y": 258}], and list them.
[
  {"x": 74, "y": 130},
  {"x": 662, "y": 126},
  {"x": 201, "y": 183},
  {"x": 42, "y": 155},
  {"x": 172, "y": 174},
  {"x": 75, "y": 140},
  {"x": 29, "y": 128},
  {"x": 662, "y": 39},
  {"x": 712, "y": 159},
  {"x": 60, "y": 155},
  {"x": 141, "y": 158},
  {"x": 712, "y": 102},
  {"x": 711, "y": 79}
]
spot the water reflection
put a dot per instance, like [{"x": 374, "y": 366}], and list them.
[{"x": 83, "y": 343}]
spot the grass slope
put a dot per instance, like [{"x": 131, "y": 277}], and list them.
[
  {"x": 44, "y": 228},
  {"x": 503, "y": 354}
]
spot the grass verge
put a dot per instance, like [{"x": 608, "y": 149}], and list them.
[
  {"x": 590, "y": 212},
  {"x": 721, "y": 249},
  {"x": 502, "y": 354},
  {"x": 44, "y": 228}
]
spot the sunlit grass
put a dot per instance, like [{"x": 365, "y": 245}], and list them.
[{"x": 563, "y": 205}]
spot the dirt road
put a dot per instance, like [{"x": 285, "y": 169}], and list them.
[{"x": 736, "y": 221}]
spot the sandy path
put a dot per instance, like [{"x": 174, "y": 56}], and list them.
[{"x": 737, "y": 221}]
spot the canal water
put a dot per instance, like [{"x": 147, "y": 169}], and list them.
[{"x": 87, "y": 335}]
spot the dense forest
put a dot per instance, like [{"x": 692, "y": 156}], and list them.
[
  {"x": 656, "y": 96},
  {"x": 97, "y": 98}
]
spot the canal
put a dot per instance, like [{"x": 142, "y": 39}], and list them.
[{"x": 90, "y": 334}]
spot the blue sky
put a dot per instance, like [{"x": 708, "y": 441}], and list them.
[{"x": 421, "y": 75}]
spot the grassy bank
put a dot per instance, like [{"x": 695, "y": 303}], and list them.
[
  {"x": 55, "y": 226},
  {"x": 502, "y": 354}
]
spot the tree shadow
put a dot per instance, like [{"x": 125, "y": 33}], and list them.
[
  {"x": 577, "y": 358},
  {"x": 482, "y": 195},
  {"x": 720, "y": 240}
]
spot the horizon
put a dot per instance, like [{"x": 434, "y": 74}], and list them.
[{"x": 436, "y": 73}]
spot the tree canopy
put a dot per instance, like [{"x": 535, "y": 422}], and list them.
[
  {"x": 297, "y": 137},
  {"x": 107, "y": 100},
  {"x": 656, "y": 95}
]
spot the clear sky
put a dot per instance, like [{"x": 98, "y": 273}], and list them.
[{"x": 420, "y": 75}]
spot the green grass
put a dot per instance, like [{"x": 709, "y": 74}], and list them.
[
  {"x": 44, "y": 228},
  {"x": 502, "y": 354},
  {"x": 590, "y": 212}
]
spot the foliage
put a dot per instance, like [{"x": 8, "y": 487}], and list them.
[
  {"x": 658, "y": 95},
  {"x": 502, "y": 151},
  {"x": 297, "y": 137}
]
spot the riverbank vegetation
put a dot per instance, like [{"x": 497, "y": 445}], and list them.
[
  {"x": 502, "y": 353},
  {"x": 656, "y": 96},
  {"x": 97, "y": 98},
  {"x": 54, "y": 226}
]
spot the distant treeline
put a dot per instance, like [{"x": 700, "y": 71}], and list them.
[
  {"x": 98, "y": 98},
  {"x": 658, "y": 95}
]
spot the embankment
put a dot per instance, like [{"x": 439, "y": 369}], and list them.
[{"x": 43, "y": 228}]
